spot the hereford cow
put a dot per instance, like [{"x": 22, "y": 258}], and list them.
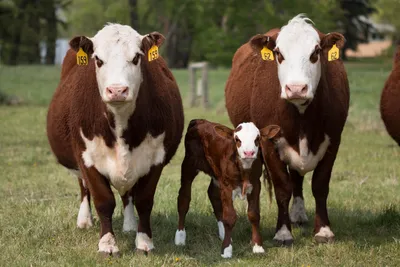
[
  {"x": 390, "y": 99},
  {"x": 307, "y": 95},
  {"x": 117, "y": 121},
  {"x": 232, "y": 159}
]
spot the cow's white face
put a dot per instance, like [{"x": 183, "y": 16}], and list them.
[
  {"x": 247, "y": 139},
  {"x": 117, "y": 51},
  {"x": 297, "y": 53}
]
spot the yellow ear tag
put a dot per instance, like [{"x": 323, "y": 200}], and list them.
[
  {"x": 267, "y": 54},
  {"x": 153, "y": 53},
  {"x": 333, "y": 53},
  {"x": 81, "y": 57}
]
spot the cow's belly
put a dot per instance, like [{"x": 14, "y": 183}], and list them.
[
  {"x": 122, "y": 167},
  {"x": 303, "y": 161}
]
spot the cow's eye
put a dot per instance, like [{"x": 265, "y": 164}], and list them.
[
  {"x": 135, "y": 60},
  {"x": 99, "y": 62},
  {"x": 314, "y": 55},
  {"x": 279, "y": 55}
]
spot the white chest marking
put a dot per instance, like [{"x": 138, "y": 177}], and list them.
[
  {"x": 123, "y": 167},
  {"x": 304, "y": 161}
]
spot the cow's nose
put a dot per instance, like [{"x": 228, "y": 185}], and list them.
[
  {"x": 249, "y": 153},
  {"x": 117, "y": 93},
  {"x": 296, "y": 90}
]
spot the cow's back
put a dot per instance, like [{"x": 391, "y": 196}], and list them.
[{"x": 390, "y": 99}]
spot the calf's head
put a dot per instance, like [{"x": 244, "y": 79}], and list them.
[
  {"x": 298, "y": 49},
  {"x": 119, "y": 52}
]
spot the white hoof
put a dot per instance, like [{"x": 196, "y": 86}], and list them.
[
  {"x": 108, "y": 245},
  {"x": 130, "y": 223},
  {"x": 180, "y": 237},
  {"x": 325, "y": 235},
  {"x": 227, "y": 252},
  {"x": 298, "y": 211},
  {"x": 283, "y": 236},
  {"x": 85, "y": 219},
  {"x": 258, "y": 249},
  {"x": 144, "y": 242},
  {"x": 221, "y": 230}
]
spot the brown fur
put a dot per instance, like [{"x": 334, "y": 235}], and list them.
[
  {"x": 390, "y": 99},
  {"x": 77, "y": 104},
  {"x": 253, "y": 93}
]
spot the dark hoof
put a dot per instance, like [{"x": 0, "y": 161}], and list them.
[
  {"x": 283, "y": 243},
  {"x": 324, "y": 239}
]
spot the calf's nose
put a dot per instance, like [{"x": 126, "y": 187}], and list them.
[
  {"x": 296, "y": 90},
  {"x": 249, "y": 153},
  {"x": 117, "y": 93}
]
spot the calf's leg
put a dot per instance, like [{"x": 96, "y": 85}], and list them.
[
  {"x": 188, "y": 173},
  {"x": 298, "y": 211},
  {"x": 229, "y": 220},
  {"x": 215, "y": 199},
  {"x": 85, "y": 218},
  {"x": 253, "y": 213}
]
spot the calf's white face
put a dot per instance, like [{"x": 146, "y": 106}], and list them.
[
  {"x": 247, "y": 139},
  {"x": 298, "y": 56}
]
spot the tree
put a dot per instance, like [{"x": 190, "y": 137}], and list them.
[{"x": 388, "y": 12}]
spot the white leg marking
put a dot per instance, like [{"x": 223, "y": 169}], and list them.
[
  {"x": 180, "y": 237},
  {"x": 221, "y": 230},
  {"x": 258, "y": 249},
  {"x": 144, "y": 242},
  {"x": 107, "y": 244},
  {"x": 129, "y": 217},
  {"x": 227, "y": 252},
  {"x": 85, "y": 219},
  {"x": 237, "y": 192},
  {"x": 325, "y": 231},
  {"x": 298, "y": 211},
  {"x": 283, "y": 234}
]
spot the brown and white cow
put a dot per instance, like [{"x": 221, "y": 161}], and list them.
[
  {"x": 390, "y": 99},
  {"x": 117, "y": 121},
  {"x": 307, "y": 95},
  {"x": 232, "y": 159}
]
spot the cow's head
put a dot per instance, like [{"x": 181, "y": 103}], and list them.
[
  {"x": 297, "y": 49},
  {"x": 118, "y": 51}
]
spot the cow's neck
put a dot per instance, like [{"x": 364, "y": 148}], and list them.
[{"x": 121, "y": 115}]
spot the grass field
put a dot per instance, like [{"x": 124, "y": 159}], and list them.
[{"x": 39, "y": 200}]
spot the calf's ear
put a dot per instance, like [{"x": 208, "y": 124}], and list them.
[
  {"x": 82, "y": 42},
  {"x": 223, "y": 131},
  {"x": 270, "y": 132}
]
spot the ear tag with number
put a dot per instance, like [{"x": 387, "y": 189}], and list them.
[
  {"x": 267, "y": 54},
  {"x": 153, "y": 53},
  {"x": 333, "y": 53},
  {"x": 82, "y": 57}
]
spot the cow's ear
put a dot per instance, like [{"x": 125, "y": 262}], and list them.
[
  {"x": 270, "y": 132},
  {"x": 223, "y": 131},
  {"x": 260, "y": 40},
  {"x": 154, "y": 38},
  {"x": 328, "y": 40},
  {"x": 82, "y": 42}
]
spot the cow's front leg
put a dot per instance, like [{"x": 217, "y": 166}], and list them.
[
  {"x": 320, "y": 189},
  {"x": 228, "y": 219},
  {"x": 298, "y": 211},
  {"x": 130, "y": 223},
  {"x": 144, "y": 191},
  {"x": 104, "y": 202},
  {"x": 253, "y": 213}
]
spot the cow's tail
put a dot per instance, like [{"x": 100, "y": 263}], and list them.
[{"x": 267, "y": 177}]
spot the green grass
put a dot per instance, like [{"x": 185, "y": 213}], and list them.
[{"x": 39, "y": 200}]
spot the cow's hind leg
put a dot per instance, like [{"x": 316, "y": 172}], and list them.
[
  {"x": 298, "y": 211},
  {"x": 85, "y": 218},
  {"x": 144, "y": 191},
  {"x": 188, "y": 173},
  {"x": 130, "y": 223},
  {"x": 215, "y": 198}
]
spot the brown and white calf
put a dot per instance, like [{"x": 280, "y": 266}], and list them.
[
  {"x": 116, "y": 122},
  {"x": 307, "y": 95},
  {"x": 232, "y": 159}
]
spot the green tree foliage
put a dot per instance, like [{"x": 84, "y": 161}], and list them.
[{"x": 388, "y": 12}]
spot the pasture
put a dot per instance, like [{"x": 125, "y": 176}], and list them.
[{"x": 39, "y": 200}]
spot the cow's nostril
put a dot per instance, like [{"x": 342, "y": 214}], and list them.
[
  {"x": 109, "y": 91},
  {"x": 125, "y": 90},
  {"x": 304, "y": 90},
  {"x": 287, "y": 88}
]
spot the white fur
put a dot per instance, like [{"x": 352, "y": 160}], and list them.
[
  {"x": 144, "y": 242},
  {"x": 298, "y": 211},
  {"x": 296, "y": 42},
  {"x": 123, "y": 167},
  {"x": 304, "y": 161},
  {"x": 283, "y": 234},
  {"x": 247, "y": 136},
  {"x": 85, "y": 219},
  {"x": 258, "y": 249},
  {"x": 227, "y": 252},
  {"x": 221, "y": 230},
  {"x": 180, "y": 237},
  {"x": 116, "y": 45},
  {"x": 107, "y": 244},
  {"x": 129, "y": 217},
  {"x": 237, "y": 192},
  {"x": 325, "y": 231}
]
